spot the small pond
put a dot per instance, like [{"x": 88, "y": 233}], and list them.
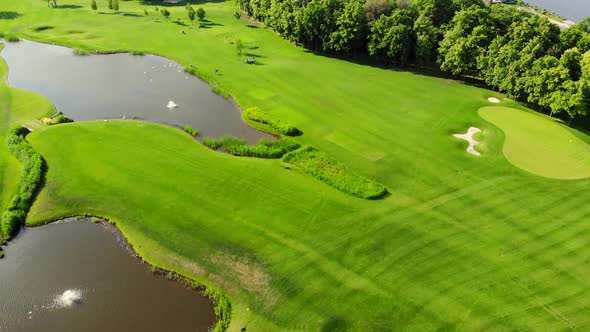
[
  {"x": 123, "y": 85},
  {"x": 76, "y": 275}
]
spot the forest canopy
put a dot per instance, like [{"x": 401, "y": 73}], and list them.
[{"x": 513, "y": 51}]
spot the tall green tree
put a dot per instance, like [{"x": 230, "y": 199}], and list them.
[
  {"x": 441, "y": 11},
  {"x": 428, "y": 37},
  {"x": 190, "y": 12},
  {"x": 201, "y": 13},
  {"x": 116, "y": 5},
  {"x": 391, "y": 37},
  {"x": 351, "y": 32},
  {"x": 93, "y": 5},
  {"x": 375, "y": 8}
]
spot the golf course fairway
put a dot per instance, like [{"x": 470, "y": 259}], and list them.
[
  {"x": 539, "y": 145},
  {"x": 462, "y": 242}
]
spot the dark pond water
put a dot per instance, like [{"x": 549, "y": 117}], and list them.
[
  {"x": 574, "y": 10},
  {"x": 79, "y": 276},
  {"x": 123, "y": 85}
]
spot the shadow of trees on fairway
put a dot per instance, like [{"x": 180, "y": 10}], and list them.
[
  {"x": 68, "y": 7},
  {"x": 177, "y": 4},
  {"x": 9, "y": 15}
]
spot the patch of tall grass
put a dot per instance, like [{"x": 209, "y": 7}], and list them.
[
  {"x": 263, "y": 149},
  {"x": 334, "y": 173},
  {"x": 211, "y": 143},
  {"x": 280, "y": 126},
  {"x": 189, "y": 130},
  {"x": 29, "y": 183}
]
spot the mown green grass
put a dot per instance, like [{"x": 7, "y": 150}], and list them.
[
  {"x": 539, "y": 145},
  {"x": 461, "y": 244}
]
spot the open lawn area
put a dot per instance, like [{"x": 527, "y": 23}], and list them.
[{"x": 461, "y": 242}]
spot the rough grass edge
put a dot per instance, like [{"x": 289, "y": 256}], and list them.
[
  {"x": 285, "y": 128},
  {"x": 334, "y": 173},
  {"x": 221, "y": 302}
]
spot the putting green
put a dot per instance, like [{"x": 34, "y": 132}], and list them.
[{"x": 539, "y": 145}]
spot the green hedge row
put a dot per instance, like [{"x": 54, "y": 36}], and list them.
[
  {"x": 282, "y": 127},
  {"x": 29, "y": 184},
  {"x": 263, "y": 149},
  {"x": 334, "y": 173}
]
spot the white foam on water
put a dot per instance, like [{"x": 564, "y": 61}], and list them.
[
  {"x": 68, "y": 298},
  {"x": 171, "y": 104}
]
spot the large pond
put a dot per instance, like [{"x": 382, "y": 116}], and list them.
[
  {"x": 123, "y": 85},
  {"x": 80, "y": 276},
  {"x": 574, "y": 10}
]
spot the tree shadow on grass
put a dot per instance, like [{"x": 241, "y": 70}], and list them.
[
  {"x": 254, "y": 55},
  {"x": 68, "y": 7},
  {"x": 335, "y": 324},
  {"x": 9, "y": 15},
  {"x": 182, "y": 3},
  {"x": 120, "y": 13},
  {"x": 209, "y": 24}
]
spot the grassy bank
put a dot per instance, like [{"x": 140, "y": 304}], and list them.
[{"x": 462, "y": 243}]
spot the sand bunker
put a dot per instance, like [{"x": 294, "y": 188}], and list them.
[
  {"x": 493, "y": 100},
  {"x": 469, "y": 138}
]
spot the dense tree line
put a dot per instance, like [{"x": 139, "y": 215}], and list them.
[{"x": 512, "y": 50}]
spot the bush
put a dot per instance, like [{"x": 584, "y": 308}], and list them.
[
  {"x": 334, "y": 173},
  {"x": 1, "y": 255},
  {"x": 282, "y": 127},
  {"x": 57, "y": 119},
  {"x": 222, "y": 308},
  {"x": 188, "y": 129},
  {"x": 211, "y": 143},
  {"x": 29, "y": 183},
  {"x": 263, "y": 149},
  {"x": 11, "y": 38}
]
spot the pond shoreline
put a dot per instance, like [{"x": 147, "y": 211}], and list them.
[{"x": 219, "y": 301}]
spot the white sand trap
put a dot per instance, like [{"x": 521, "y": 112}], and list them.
[
  {"x": 494, "y": 100},
  {"x": 171, "y": 104},
  {"x": 469, "y": 138},
  {"x": 171, "y": 1}
]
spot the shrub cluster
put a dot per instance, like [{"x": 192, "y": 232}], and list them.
[
  {"x": 334, "y": 173},
  {"x": 282, "y": 127},
  {"x": 59, "y": 118},
  {"x": 263, "y": 149},
  {"x": 211, "y": 143},
  {"x": 188, "y": 129},
  {"x": 29, "y": 184}
]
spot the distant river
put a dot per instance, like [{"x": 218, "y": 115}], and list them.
[{"x": 574, "y": 10}]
